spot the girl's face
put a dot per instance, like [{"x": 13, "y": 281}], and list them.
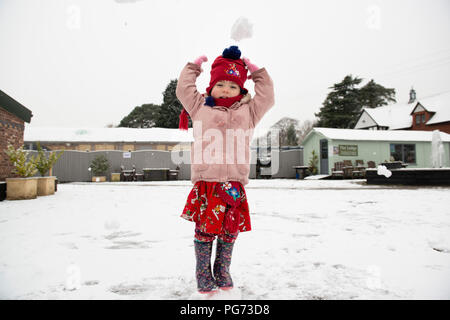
[{"x": 225, "y": 89}]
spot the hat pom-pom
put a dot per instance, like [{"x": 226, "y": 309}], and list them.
[
  {"x": 232, "y": 53},
  {"x": 209, "y": 101}
]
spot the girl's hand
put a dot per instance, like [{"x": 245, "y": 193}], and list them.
[
  {"x": 250, "y": 65},
  {"x": 200, "y": 60}
]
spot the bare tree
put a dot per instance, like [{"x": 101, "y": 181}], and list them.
[{"x": 304, "y": 129}]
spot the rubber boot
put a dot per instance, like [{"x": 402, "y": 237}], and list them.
[
  {"x": 205, "y": 280},
  {"x": 222, "y": 265}
]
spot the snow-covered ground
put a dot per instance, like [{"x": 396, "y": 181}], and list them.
[{"x": 311, "y": 239}]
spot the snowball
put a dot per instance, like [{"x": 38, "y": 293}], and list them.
[
  {"x": 382, "y": 170},
  {"x": 241, "y": 29}
]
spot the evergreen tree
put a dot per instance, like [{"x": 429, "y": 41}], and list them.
[
  {"x": 373, "y": 95},
  {"x": 313, "y": 164},
  {"x": 144, "y": 116},
  {"x": 99, "y": 165},
  {"x": 171, "y": 107},
  {"x": 342, "y": 107},
  {"x": 153, "y": 115}
]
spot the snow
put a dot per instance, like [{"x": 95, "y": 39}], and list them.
[
  {"x": 379, "y": 135},
  {"x": 396, "y": 116},
  {"x": 241, "y": 29},
  {"x": 317, "y": 177},
  {"x": 106, "y": 134},
  {"x": 311, "y": 239},
  {"x": 440, "y": 104}
]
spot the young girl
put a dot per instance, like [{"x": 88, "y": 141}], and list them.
[{"x": 223, "y": 122}]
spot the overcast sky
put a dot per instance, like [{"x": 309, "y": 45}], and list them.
[{"x": 88, "y": 63}]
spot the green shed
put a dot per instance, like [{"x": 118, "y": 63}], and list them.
[{"x": 409, "y": 146}]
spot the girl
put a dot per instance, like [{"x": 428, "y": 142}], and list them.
[{"x": 223, "y": 122}]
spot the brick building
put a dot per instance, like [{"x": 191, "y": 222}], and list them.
[
  {"x": 425, "y": 114},
  {"x": 102, "y": 139},
  {"x": 13, "y": 115}
]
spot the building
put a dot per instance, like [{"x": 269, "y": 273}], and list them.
[
  {"x": 335, "y": 145},
  {"x": 100, "y": 139},
  {"x": 13, "y": 115},
  {"x": 426, "y": 114}
]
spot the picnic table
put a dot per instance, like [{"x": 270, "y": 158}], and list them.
[
  {"x": 173, "y": 174},
  {"x": 348, "y": 172},
  {"x": 359, "y": 171},
  {"x": 300, "y": 171},
  {"x": 127, "y": 175},
  {"x": 130, "y": 174}
]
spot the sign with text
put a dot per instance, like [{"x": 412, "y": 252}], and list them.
[{"x": 348, "y": 150}]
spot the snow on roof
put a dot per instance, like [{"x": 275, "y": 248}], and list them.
[
  {"x": 439, "y": 103},
  {"x": 395, "y": 116},
  {"x": 379, "y": 135},
  {"x": 50, "y": 134},
  {"x": 398, "y": 115}
]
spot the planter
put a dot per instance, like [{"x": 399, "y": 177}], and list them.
[
  {"x": 46, "y": 186},
  {"x": 98, "y": 179},
  {"x": 21, "y": 188},
  {"x": 115, "y": 177}
]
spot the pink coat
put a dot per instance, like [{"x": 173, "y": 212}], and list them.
[{"x": 222, "y": 136}]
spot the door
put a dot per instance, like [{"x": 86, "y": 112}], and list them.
[{"x": 324, "y": 156}]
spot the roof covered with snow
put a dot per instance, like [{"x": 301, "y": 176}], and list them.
[
  {"x": 398, "y": 115},
  {"x": 439, "y": 103},
  {"x": 50, "y": 134},
  {"x": 395, "y": 116},
  {"x": 377, "y": 135}
]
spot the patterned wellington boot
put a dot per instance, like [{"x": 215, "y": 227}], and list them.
[
  {"x": 222, "y": 265},
  {"x": 205, "y": 280}
]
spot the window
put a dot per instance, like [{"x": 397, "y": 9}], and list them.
[
  {"x": 420, "y": 118},
  {"x": 403, "y": 152},
  {"x": 323, "y": 149}
]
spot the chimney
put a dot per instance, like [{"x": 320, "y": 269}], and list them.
[{"x": 412, "y": 95}]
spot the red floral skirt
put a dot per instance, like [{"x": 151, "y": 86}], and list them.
[{"x": 218, "y": 207}]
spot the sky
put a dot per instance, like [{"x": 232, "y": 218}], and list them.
[{"x": 85, "y": 63}]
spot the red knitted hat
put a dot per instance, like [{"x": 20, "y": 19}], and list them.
[{"x": 229, "y": 67}]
